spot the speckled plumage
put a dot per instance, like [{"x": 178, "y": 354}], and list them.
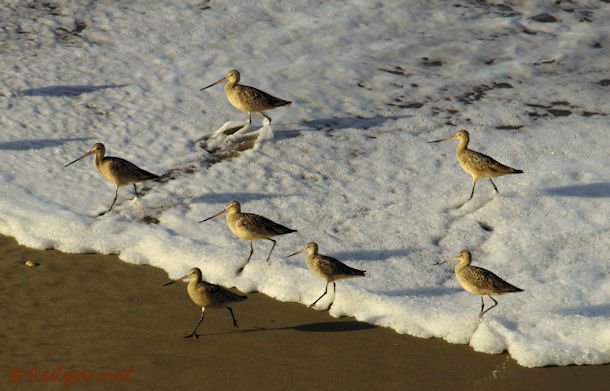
[
  {"x": 328, "y": 268},
  {"x": 250, "y": 226},
  {"x": 479, "y": 281},
  {"x": 206, "y": 295},
  {"x": 246, "y": 98},
  {"x": 477, "y": 164},
  {"x": 116, "y": 170},
  {"x": 120, "y": 171}
]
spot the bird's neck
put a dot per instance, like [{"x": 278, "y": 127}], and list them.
[
  {"x": 230, "y": 85},
  {"x": 193, "y": 282},
  {"x": 462, "y": 146},
  {"x": 309, "y": 260},
  {"x": 99, "y": 158},
  {"x": 231, "y": 216},
  {"x": 461, "y": 265}
]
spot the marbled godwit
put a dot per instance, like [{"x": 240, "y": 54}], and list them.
[
  {"x": 207, "y": 295},
  {"x": 249, "y": 226},
  {"x": 248, "y": 99},
  {"x": 116, "y": 170},
  {"x": 477, "y": 164},
  {"x": 330, "y": 269},
  {"x": 479, "y": 281}
]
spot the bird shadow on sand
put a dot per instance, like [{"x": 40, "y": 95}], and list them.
[
  {"x": 333, "y": 123},
  {"x": 468, "y": 206},
  {"x": 423, "y": 292},
  {"x": 370, "y": 255},
  {"x": 223, "y": 198},
  {"x": 588, "y": 190},
  {"x": 25, "y": 145},
  {"x": 333, "y": 327},
  {"x": 66, "y": 90},
  {"x": 319, "y": 327},
  {"x": 362, "y": 123},
  {"x": 601, "y": 310}
]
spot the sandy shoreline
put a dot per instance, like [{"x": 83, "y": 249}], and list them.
[{"x": 98, "y": 314}]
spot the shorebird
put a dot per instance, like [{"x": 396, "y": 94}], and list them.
[
  {"x": 207, "y": 295},
  {"x": 249, "y": 226},
  {"x": 330, "y": 269},
  {"x": 246, "y": 98},
  {"x": 479, "y": 281},
  {"x": 476, "y": 164},
  {"x": 116, "y": 170}
]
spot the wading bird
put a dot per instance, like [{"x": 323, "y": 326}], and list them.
[
  {"x": 207, "y": 295},
  {"x": 479, "y": 281},
  {"x": 249, "y": 226},
  {"x": 330, "y": 269},
  {"x": 476, "y": 164},
  {"x": 116, "y": 170},
  {"x": 246, "y": 98}
]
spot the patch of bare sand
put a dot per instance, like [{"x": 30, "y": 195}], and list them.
[{"x": 96, "y": 313}]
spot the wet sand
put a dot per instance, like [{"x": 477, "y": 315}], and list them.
[{"x": 95, "y": 313}]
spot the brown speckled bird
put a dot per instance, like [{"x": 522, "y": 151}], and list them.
[
  {"x": 330, "y": 269},
  {"x": 250, "y": 226},
  {"x": 246, "y": 98},
  {"x": 479, "y": 281},
  {"x": 116, "y": 170},
  {"x": 207, "y": 295},
  {"x": 476, "y": 164}
]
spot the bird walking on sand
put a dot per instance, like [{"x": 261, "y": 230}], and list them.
[
  {"x": 246, "y": 98},
  {"x": 116, "y": 170},
  {"x": 479, "y": 281},
  {"x": 330, "y": 269},
  {"x": 476, "y": 164},
  {"x": 249, "y": 226},
  {"x": 207, "y": 295}
]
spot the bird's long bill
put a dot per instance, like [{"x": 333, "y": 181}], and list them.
[
  {"x": 442, "y": 139},
  {"x": 84, "y": 156},
  {"x": 447, "y": 260},
  {"x": 213, "y": 84},
  {"x": 172, "y": 281},
  {"x": 297, "y": 252},
  {"x": 216, "y": 215}
]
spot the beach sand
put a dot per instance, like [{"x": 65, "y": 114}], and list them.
[{"x": 95, "y": 313}]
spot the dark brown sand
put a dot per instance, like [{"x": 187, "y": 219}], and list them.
[{"x": 98, "y": 314}]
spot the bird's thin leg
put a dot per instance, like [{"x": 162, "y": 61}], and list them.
[
  {"x": 269, "y": 256},
  {"x": 334, "y": 294},
  {"x": 266, "y": 116},
  {"x": 250, "y": 255},
  {"x": 233, "y": 316},
  {"x": 474, "y": 183},
  {"x": 116, "y": 192},
  {"x": 135, "y": 190},
  {"x": 495, "y": 304},
  {"x": 495, "y": 187},
  {"x": 194, "y": 333},
  {"x": 241, "y": 269},
  {"x": 482, "y": 307},
  {"x": 249, "y": 117},
  {"x": 314, "y": 303}
]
